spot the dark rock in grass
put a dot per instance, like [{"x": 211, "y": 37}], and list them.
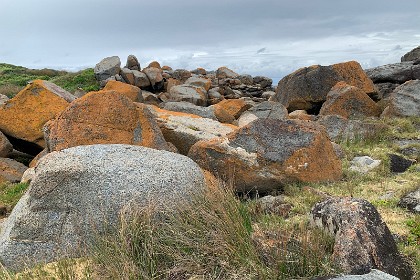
[
  {"x": 411, "y": 201},
  {"x": 362, "y": 240},
  {"x": 399, "y": 164}
]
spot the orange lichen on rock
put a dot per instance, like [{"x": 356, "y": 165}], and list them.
[
  {"x": 132, "y": 92},
  {"x": 353, "y": 74},
  {"x": 24, "y": 115},
  {"x": 234, "y": 107}
]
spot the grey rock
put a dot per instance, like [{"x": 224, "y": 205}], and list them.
[
  {"x": 3, "y": 99},
  {"x": 181, "y": 75},
  {"x": 5, "y": 147},
  {"x": 186, "y": 107},
  {"x": 155, "y": 76},
  {"x": 11, "y": 170},
  {"x": 412, "y": 55},
  {"x": 28, "y": 175},
  {"x": 385, "y": 89},
  {"x": 274, "y": 205},
  {"x": 107, "y": 67},
  {"x": 399, "y": 164},
  {"x": 374, "y": 274},
  {"x": 192, "y": 94},
  {"x": 396, "y": 73},
  {"x": 264, "y": 82},
  {"x": 246, "y": 79},
  {"x": 404, "y": 101},
  {"x": 140, "y": 79},
  {"x": 199, "y": 82},
  {"x": 79, "y": 193},
  {"x": 128, "y": 76},
  {"x": 226, "y": 73},
  {"x": 264, "y": 110},
  {"x": 364, "y": 164},
  {"x": 150, "y": 98},
  {"x": 214, "y": 96},
  {"x": 132, "y": 63},
  {"x": 268, "y": 94},
  {"x": 411, "y": 201},
  {"x": 362, "y": 240}
]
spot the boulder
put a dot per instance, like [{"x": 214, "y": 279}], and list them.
[
  {"x": 107, "y": 67},
  {"x": 105, "y": 117},
  {"x": 264, "y": 110},
  {"x": 199, "y": 71},
  {"x": 3, "y": 99},
  {"x": 199, "y": 82},
  {"x": 226, "y": 73},
  {"x": 181, "y": 75},
  {"x": 411, "y": 201},
  {"x": 155, "y": 77},
  {"x": 404, "y": 101},
  {"x": 301, "y": 115},
  {"x": 214, "y": 96},
  {"x": 191, "y": 94},
  {"x": 273, "y": 205},
  {"x": 132, "y": 63},
  {"x": 222, "y": 115},
  {"x": 140, "y": 79},
  {"x": 189, "y": 108},
  {"x": 80, "y": 193},
  {"x": 267, "y": 94},
  {"x": 150, "y": 98},
  {"x": 412, "y": 55},
  {"x": 184, "y": 130},
  {"x": 171, "y": 82},
  {"x": 362, "y": 240},
  {"x": 307, "y": 88},
  {"x": 364, "y": 164},
  {"x": 267, "y": 154},
  {"x": 128, "y": 76},
  {"x": 374, "y": 274},
  {"x": 154, "y": 64},
  {"x": 399, "y": 164},
  {"x": 132, "y": 92},
  {"x": 24, "y": 115},
  {"x": 349, "y": 102},
  {"x": 246, "y": 79},
  {"x": 5, "y": 147},
  {"x": 11, "y": 170},
  {"x": 396, "y": 73},
  {"x": 264, "y": 82},
  {"x": 234, "y": 107}
]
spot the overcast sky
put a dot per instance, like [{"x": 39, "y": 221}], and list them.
[{"x": 267, "y": 37}]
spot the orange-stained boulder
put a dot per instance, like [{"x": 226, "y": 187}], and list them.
[
  {"x": 132, "y": 92},
  {"x": 349, "y": 102},
  {"x": 105, "y": 117},
  {"x": 307, "y": 88},
  {"x": 24, "y": 115},
  {"x": 234, "y": 107},
  {"x": 268, "y": 153},
  {"x": 11, "y": 170}
]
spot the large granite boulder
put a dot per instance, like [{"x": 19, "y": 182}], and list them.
[
  {"x": 307, "y": 88},
  {"x": 194, "y": 94},
  {"x": 362, "y": 240},
  {"x": 24, "y": 115},
  {"x": 132, "y": 63},
  {"x": 264, "y": 110},
  {"x": 184, "y": 130},
  {"x": 155, "y": 77},
  {"x": 132, "y": 92},
  {"x": 79, "y": 193},
  {"x": 11, "y": 170},
  {"x": 140, "y": 79},
  {"x": 412, "y": 55},
  {"x": 396, "y": 73},
  {"x": 226, "y": 73},
  {"x": 349, "y": 102},
  {"x": 104, "y": 117},
  {"x": 268, "y": 153},
  {"x": 404, "y": 101},
  {"x": 107, "y": 67},
  {"x": 235, "y": 107}
]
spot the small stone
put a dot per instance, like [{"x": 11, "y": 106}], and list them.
[
  {"x": 399, "y": 164},
  {"x": 364, "y": 164}
]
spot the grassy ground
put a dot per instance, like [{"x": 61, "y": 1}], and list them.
[
  {"x": 14, "y": 78},
  {"x": 221, "y": 237}
]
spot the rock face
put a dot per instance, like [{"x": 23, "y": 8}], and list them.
[
  {"x": 268, "y": 153},
  {"x": 362, "y": 239},
  {"x": 411, "y": 201},
  {"x": 24, "y": 115},
  {"x": 11, "y": 170},
  {"x": 184, "y": 130},
  {"x": 349, "y": 102},
  {"x": 404, "y": 100},
  {"x": 264, "y": 110},
  {"x": 107, "y": 67},
  {"x": 132, "y": 92},
  {"x": 5, "y": 147},
  {"x": 57, "y": 216},
  {"x": 105, "y": 117},
  {"x": 307, "y": 88},
  {"x": 412, "y": 55}
]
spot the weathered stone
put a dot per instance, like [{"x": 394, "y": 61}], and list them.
[
  {"x": 24, "y": 115},
  {"x": 264, "y": 82},
  {"x": 234, "y": 107},
  {"x": 385, "y": 89},
  {"x": 181, "y": 75},
  {"x": 5, "y": 147},
  {"x": 107, "y": 67},
  {"x": 199, "y": 82},
  {"x": 362, "y": 239},
  {"x": 128, "y": 76},
  {"x": 214, "y": 96},
  {"x": 132, "y": 92},
  {"x": 264, "y": 110},
  {"x": 273, "y": 205},
  {"x": 349, "y": 102},
  {"x": 246, "y": 79},
  {"x": 3, "y": 99},
  {"x": 192, "y": 94},
  {"x": 411, "y": 201},
  {"x": 154, "y": 64},
  {"x": 80, "y": 193},
  {"x": 226, "y": 73},
  {"x": 171, "y": 82},
  {"x": 132, "y": 63},
  {"x": 301, "y": 115},
  {"x": 404, "y": 101},
  {"x": 28, "y": 175},
  {"x": 267, "y": 154},
  {"x": 189, "y": 108},
  {"x": 11, "y": 170},
  {"x": 396, "y": 73},
  {"x": 364, "y": 164},
  {"x": 140, "y": 79},
  {"x": 374, "y": 274},
  {"x": 184, "y": 130},
  {"x": 104, "y": 118},
  {"x": 307, "y": 88},
  {"x": 150, "y": 98},
  {"x": 399, "y": 164},
  {"x": 199, "y": 71},
  {"x": 155, "y": 77},
  {"x": 267, "y": 94},
  {"x": 412, "y": 55}
]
